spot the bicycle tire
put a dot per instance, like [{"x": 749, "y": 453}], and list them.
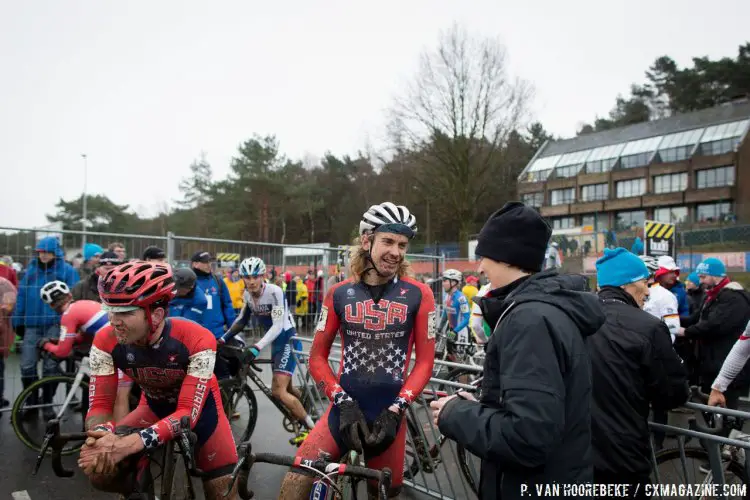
[
  {"x": 415, "y": 447},
  {"x": 167, "y": 474},
  {"x": 231, "y": 405},
  {"x": 669, "y": 454},
  {"x": 17, "y": 421},
  {"x": 463, "y": 464},
  {"x": 287, "y": 423},
  {"x": 345, "y": 484}
]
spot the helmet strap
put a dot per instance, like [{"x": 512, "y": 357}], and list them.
[{"x": 372, "y": 262}]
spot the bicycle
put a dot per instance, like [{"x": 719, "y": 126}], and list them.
[
  {"x": 235, "y": 389},
  {"x": 27, "y": 429},
  {"x": 136, "y": 471},
  {"x": 347, "y": 476},
  {"x": 732, "y": 457},
  {"x": 419, "y": 456}
]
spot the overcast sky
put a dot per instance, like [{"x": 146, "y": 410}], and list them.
[{"x": 142, "y": 87}]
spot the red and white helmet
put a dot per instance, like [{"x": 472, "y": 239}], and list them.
[{"x": 136, "y": 284}]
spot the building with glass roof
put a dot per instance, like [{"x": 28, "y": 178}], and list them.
[{"x": 688, "y": 168}]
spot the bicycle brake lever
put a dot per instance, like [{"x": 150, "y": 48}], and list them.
[
  {"x": 42, "y": 452},
  {"x": 234, "y": 474}
]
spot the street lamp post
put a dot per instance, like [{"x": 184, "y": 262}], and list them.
[{"x": 85, "y": 182}]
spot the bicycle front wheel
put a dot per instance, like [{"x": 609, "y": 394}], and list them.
[
  {"x": 696, "y": 469},
  {"x": 241, "y": 408},
  {"x": 47, "y": 396},
  {"x": 470, "y": 467}
]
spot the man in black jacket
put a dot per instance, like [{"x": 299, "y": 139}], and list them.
[
  {"x": 87, "y": 289},
  {"x": 633, "y": 367},
  {"x": 717, "y": 326},
  {"x": 531, "y": 426}
]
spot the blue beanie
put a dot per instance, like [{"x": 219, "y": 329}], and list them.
[
  {"x": 91, "y": 250},
  {"x": 712, "y": 267},
  {"x": 694, "y": 278},
  {"x": 619, "y": 267}
]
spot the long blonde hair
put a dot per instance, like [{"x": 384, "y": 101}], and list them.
[{"x": 359, "y": 262}]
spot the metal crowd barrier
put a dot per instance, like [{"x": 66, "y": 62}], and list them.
[{"x": 440, "y": 473}]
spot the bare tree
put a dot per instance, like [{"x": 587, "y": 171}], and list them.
[{"x": 457, "y": 114}]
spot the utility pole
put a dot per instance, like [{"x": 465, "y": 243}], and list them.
[{"x": 85, "y": 185}]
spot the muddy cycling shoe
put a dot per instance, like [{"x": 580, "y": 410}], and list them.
[{"x": 299, "y": 439}]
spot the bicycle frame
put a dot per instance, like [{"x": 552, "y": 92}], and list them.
[{"x": 251, "y": 370}]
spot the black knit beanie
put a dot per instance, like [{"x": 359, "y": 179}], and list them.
[{"x": 516, "y": 235}]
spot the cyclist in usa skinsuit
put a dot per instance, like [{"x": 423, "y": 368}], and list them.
[{"x": 381, "y": 316}]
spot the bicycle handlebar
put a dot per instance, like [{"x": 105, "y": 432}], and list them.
[
  {"x": 185, "y": 438},
  {"x": 57, "y": 441},
  {"x": 303, "y": 466},
  {"x": 237, "y": 352}
]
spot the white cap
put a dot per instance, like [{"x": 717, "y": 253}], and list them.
[{"x": 668, "y": 263}]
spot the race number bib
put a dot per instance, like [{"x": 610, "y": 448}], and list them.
[
  {"x": 322, "y": 321},
  {"x": 431, "y": 325},
  {"x": 277, "y": 313}
]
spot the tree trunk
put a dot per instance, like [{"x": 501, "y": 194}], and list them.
[
  {"x": 463, "y": 237},
  {"x": 265, "y": 219},
  {"x": 312, "y": 226}
]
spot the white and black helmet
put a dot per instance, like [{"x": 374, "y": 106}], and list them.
[
  {"x": 53, "y": 291},
  {"x": 389, "y": 218},
  {"x": 651, "y": 264},
  {"x": 252, "y": 266},
  {"x": 453, "y": 274}
]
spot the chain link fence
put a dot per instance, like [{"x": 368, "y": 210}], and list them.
[{"x": 305, "y": 272}]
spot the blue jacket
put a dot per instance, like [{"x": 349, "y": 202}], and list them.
[
  {"x": 191, "y": 307},
  {"x": 31, "y": 311},
  {"x": 219, "y": 311},
  {"x": 683, "y": 305}
]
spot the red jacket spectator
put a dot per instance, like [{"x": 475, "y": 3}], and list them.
[{"x": 9, "y": 274}]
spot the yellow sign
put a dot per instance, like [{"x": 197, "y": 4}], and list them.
[
  {"x": 659, "y": 230},
  {"x": 228, "y": 257}
]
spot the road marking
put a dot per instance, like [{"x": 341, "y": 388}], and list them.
[{"x": 21, "y": 495}]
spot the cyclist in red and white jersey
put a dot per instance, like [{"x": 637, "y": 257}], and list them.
[
  {"x": 380, "y": 315},
  {"x": 79, "y": 323},
  {"x": 172, "y": 360}
]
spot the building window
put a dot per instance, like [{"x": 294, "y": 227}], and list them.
[
  {"x": 598, "y": 222},
  {"x": 629, "y": 188},
  {"x": 629, "y": 220},
  {"x": 533, "y": 199},
  {"x": 595, "y": 192},
  {"x": 714, "y": 212},
  {"x": 670, "y": 183},
  {"x": 569, "y": 171},
  {"x": 598, "y": 166},
  {"x": 718, "y": 147},
  {"x": 715, "y": 177},
  {"x": 563, "y": 223},
  {"x": 671, "y": 215},
  {"x": 675, "y": 154},
  {"x": 562, "y": 196},
  {"x": 637, "y": 160},
  {"x": 536, "y": 175}
]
